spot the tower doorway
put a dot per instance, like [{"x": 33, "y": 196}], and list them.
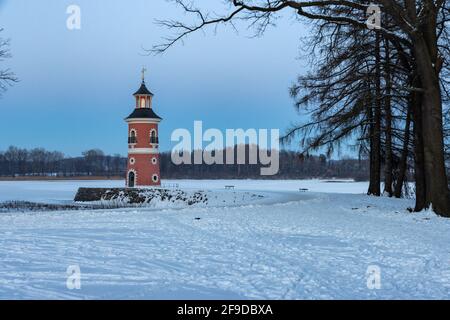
[{"x": 131, "y": 179}]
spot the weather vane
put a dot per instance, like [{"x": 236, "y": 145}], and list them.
[{"x": 144, "y": 70}]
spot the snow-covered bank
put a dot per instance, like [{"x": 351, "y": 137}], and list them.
[
  {"x": 297, "y": 245},
  {"x": 161, "y": 198}
]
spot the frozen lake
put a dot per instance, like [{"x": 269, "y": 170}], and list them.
[{"x": 64, "y": 191}]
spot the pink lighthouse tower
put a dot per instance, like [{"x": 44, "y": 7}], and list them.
[{"x": 143, "y": 143}]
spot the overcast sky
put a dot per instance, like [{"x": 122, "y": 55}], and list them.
[{"x": 76, "y": 86}]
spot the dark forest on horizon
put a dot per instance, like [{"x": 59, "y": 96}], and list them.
[{"x": 38, "y": 162}]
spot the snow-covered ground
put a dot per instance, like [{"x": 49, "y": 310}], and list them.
[{"x": 315, "y": 244}]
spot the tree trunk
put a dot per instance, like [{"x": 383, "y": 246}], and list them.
[
  {"x": 437, "y": 195},
  {"x": 404, "y": 156},
  {"x": 419, "y": 157},
  {"x": 388, "y": 130},
  {"x": 375, "y": 178}
]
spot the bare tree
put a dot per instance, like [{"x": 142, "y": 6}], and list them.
[
  {"x": 419, "y": 26},
  {"x": 94, "y": 158},
  {"x": 7, "y": 77}
]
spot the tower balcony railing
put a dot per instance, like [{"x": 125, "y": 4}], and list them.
[
  {"x": 132, "y": 140},
  {"x": 154, "y": 140}
]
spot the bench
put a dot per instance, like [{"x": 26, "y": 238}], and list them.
[{"x": 170, "y": 185}]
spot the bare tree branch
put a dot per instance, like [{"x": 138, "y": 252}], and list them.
[
  {"x": 7, "y": 77},
  {"x": 260, "y": 17}
]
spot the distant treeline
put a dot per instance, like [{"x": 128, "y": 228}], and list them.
[
  {"x": 40, "y": 162},
  {"x": 18, "y": 162}
]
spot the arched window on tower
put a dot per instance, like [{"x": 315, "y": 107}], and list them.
[
  {"x": 132, "y": 138},
  {"x": 142, "y": 102},
  {"x": 153, "y": 137}
]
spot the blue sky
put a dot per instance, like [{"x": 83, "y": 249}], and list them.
[{"x": 76, "y": 86}]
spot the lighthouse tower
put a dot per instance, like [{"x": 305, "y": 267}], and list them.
[{"x": 143, "y": 153}]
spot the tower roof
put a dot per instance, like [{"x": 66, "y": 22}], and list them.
[
  {"x": 143, "y": 113},
  {"x": 143, "y": 90}
]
